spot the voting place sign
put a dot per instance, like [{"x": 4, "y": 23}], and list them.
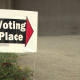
[{"x": 18, "y": 31}]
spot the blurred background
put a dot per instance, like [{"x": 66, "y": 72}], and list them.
[
  {"x": 58, "y": 58},
  {"x": 55, "y": 17}
]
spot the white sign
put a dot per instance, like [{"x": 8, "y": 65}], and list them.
[{"x": 18, "y": 31}]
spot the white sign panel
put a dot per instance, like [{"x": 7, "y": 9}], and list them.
[{"x": 18, "y": 31}]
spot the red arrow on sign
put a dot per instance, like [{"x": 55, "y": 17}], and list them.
[{"x": 29, "y": 31}]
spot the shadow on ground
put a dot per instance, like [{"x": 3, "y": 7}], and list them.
[{"x": 58, "y": 58}]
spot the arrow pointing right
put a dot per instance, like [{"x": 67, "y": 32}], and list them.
[{"x": 29, "y": 31}]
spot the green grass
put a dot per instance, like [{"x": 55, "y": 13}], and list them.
[
  {"x": 8, "y": 57},
  {"x": 10, "y": 70}
]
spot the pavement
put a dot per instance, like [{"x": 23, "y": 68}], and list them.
[{"x": 58, "y": 58}]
